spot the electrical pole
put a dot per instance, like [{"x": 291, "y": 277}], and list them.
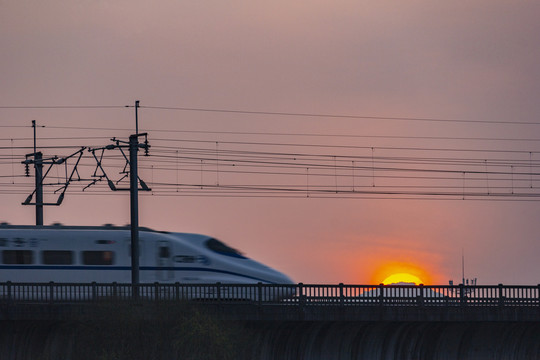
[
  {"x": 38, "y": 161},
  {"x": 137, "y": 117},
  {"x": 134, "y": 203},
  {"x": 134, "y": 182},
  {"x": 38, "y": 167}
]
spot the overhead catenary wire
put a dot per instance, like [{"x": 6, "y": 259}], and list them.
[
  {"x": 292, "y": 134},
  {"x": 275, "y": 113},
  {"x": 221, "y": 167},
  {"x": 343, "y": 116},
  {"x": 320, "y": 188},
  {"x": 286, "y": 158},
  {"x": 43, "y": 107}
]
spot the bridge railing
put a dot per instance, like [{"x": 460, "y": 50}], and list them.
[
  {"x": 268, "y": 294},
  {"x": 420, "y": 295}
]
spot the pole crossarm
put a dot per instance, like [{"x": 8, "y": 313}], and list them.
[
  {"x": 54, "y": 160},
  {"x": 100, "y": 173}
]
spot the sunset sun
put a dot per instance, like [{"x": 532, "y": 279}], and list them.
[
  {"x": 395, "y": 272},
  {"x": 402, "y": 278}
]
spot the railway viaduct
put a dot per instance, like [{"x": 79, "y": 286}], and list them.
[{"x": 308, "y": 326}]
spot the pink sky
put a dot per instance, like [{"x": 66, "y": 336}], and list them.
[{"x": 475, "y": 60}]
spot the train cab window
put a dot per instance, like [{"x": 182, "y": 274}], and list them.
[
  {"x": 221, "y": 248},
  {"x": 17, "y": 257},
  {"x": 98, "y": 257},
  {"x": 57, "y": 257}
]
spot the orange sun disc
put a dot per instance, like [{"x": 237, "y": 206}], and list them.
[{"x": 402, "y": 278}]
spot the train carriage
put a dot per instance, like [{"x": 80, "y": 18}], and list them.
[{"x": 102, "y": 254}]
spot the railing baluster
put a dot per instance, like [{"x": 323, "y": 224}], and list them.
[
  {"x": 341, "y": 300},
  {"x": 301, "y": 296},
  {"x": 51, "y": 292}
]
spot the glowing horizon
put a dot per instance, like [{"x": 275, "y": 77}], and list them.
[
  {"x": 403, "y": 278},
  {"x": 389, "y": 272}
]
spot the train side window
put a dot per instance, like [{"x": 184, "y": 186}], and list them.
[
  {"x": 57, "y": 257},
  {"x": 3, "y": 242},
  {"x": 17, "y": 257},
  {"x": 105, "y": 242},
  {"x": 98, "y": 257}
]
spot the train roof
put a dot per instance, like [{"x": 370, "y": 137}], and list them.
[{"x": 76, "y": 227}]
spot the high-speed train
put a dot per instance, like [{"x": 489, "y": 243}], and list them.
[{"x": 102, "y": 254}]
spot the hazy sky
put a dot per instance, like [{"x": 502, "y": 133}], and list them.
[{"x": 458, "y": 60}]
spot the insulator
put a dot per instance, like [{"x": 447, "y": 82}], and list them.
[{"x": 26, "y": 170}]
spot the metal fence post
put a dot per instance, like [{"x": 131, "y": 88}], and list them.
[
  {"x": 115, "y": 291},
  {"x": 381, "y": 294},
  {"x": 177, "y": 290},
  {"x": 341, "y": 299},
  {"x": 94, "y": 291},
  {"x": 218, "y": 291},
  {"x": 420, "y": 299},
  {"x": 51, "y": 292},
  {"x": 501, "y": 296},
  {"x": 301, "y": 295},
  {"x": 259, "y": 300},
  {"x": 9, "y": 290},
  {"x": 301, "y": 301},
  {"x": 462, "y": 296}
]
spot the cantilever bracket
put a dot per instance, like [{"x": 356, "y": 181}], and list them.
[
  {"x": 51, "y": 162},
  {"x": 120, "y": 145}
]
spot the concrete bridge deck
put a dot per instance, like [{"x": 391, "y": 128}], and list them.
[{"x": 283, "y": 312}]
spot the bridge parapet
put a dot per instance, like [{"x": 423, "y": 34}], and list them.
[
  {"x": 304, "y": 302},
  {"x": 300, "y": 294}
]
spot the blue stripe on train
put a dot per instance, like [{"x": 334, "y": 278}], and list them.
[{"x": 125, "y": 268}]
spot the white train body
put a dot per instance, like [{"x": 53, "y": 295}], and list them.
[{"x": 70, "y": 254}]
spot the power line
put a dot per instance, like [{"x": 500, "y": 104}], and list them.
[
  {"x": 222, "y": 168},
  {"x": 275, "y": 144},
  {"x": 319, "y": 115},
  {"x": 66, "y": 107},
  {"x": 278, "y": 113},
  {"x": 310, "y": 134},
  {"x": 302, "y": 134}
]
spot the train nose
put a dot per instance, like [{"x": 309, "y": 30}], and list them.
[
  {"x": 286, "y": 280},
  {"x": 280, "y": 278}
]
